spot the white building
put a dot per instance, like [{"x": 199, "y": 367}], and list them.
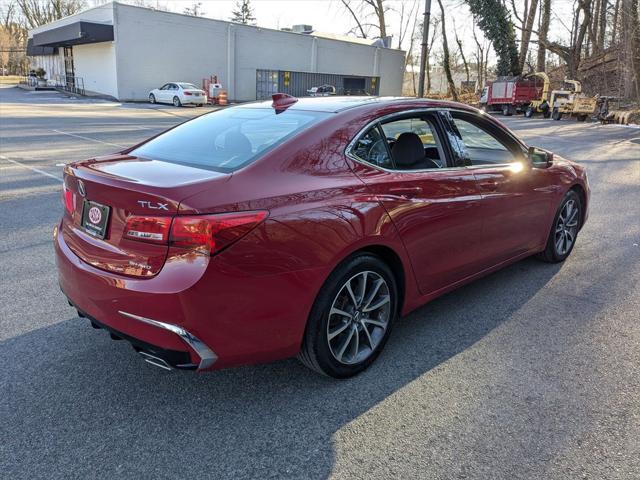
[{"x": 124, "y": 51}]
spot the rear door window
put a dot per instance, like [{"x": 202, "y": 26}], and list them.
[
  {"x": 227, "y": 139},
  {"x": 403, "y": 133}
]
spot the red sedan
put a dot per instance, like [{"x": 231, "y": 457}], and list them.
[{"x": 304, "y": 227}]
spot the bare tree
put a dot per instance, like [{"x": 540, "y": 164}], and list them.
[
  {"x": 39, "y": 12},
  {"x": 405, "y": 20},
  {"x": 445, "y": 56},
  {"x": 465, "y": 64},
  {"x": 571, "y": 54},
  {"x": 362, "y": 10},
  {"x": 195, "y": 10},
  {"x": 479, "y": 56}
]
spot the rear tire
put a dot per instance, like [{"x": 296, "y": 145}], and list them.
[
  {"x": 344, "y": 335},
  {"x": 581, "y": 117},
  {"x": 177, "y": 102},
  {"x": 556, "y": 115},
  {"x": 564, "y": 230},
  {"x": 528, "y": 112},
  {"x": 507, "y": 111}
]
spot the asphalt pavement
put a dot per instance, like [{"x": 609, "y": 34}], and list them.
[{"x": 530, "y": 373}]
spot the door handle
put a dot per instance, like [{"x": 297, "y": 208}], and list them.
[
  {"x": 490, "y": 186},
  {"x": 408, "y": 192}
]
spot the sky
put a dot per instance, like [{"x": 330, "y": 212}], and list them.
[
  {"x": 324, "y": 15},
  {"x": 331, "y": 16}
]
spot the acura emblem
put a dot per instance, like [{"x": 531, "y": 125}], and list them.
[{"x": 81, "y": 189}]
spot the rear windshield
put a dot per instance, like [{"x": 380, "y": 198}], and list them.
[
  {"x": 188, "y": 86},
  {"x": 227, "y": 139}
]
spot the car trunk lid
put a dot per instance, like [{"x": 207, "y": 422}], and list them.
[{"x": 103, "y": 196}]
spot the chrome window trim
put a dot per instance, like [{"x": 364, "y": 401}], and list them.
[
  {"x": 355, "y": 158},
  {"x": 207, "y": 356}
]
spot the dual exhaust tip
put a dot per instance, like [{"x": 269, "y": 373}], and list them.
[
  {"x": 155, "y": 361},
  {"x": 147, "y": 357}
]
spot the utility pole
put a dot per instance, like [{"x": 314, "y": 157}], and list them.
[{"x": 425, "y": 39}]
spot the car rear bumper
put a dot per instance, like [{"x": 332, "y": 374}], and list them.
[
  {"x": 192, "y": 99},
  {"x": 214, "y": 311},
  {"x": 158, "y": 356},
  {"x": 130, "y": 308}
]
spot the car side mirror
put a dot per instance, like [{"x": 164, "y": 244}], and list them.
[{"x": 540, "y": 158}]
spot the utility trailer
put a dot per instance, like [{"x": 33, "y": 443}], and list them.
[{"x": 511, "y": 95}]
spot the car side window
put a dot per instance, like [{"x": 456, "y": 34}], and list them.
[
  {"x": 165, "y": 87},
  {"x": 372, "y": 148},
  {"x": 481, "y": 146},
  {"x": 414, "y": 144}
]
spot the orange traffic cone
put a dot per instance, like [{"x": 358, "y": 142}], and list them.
[{"x": 222, "y": 98}]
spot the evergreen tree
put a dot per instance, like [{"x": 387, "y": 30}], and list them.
[
  {"x": 243, "y": 13},
  {"x": 495, "y": 21}
]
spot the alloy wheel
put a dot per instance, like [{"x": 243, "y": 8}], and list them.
[
  {"x": 566, "y": 227},
  {"x": 359, "y": 317}
]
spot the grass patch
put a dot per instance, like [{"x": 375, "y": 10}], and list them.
[{"x": 10, "y": 79}]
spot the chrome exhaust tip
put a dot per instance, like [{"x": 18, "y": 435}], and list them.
[{"x": 155, "y": 361}]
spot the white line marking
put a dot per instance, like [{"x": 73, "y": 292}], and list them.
[
  {"x": 87, "y": 138},
  {"x": 37, "y": 170}
]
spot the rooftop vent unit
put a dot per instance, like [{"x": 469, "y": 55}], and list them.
[{"x": 302, "y": 28}]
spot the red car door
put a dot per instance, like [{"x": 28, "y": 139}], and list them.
[
  {"x": 516, "y": 199},
  {"x": 434, "y": 207}
]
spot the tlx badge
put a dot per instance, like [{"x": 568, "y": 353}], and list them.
[{"x": 154, "y": 205}]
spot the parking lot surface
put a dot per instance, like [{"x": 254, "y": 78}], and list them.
[{"x": 532, "y": 372}]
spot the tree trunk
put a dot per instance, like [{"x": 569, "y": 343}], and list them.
[
  {"x": 631, "y": 43},
  {"x": 603, "y": 24},
  {"x": 479, "y": 59},
  {"x": 614, "y": 23},
  {"x": 445, "y": 59},
  {"x": 428, "y": 66},
  {"x": 543, "y": 32},
  {"x": 526, "y": 33},
  {"x": 464, "y": 60}
]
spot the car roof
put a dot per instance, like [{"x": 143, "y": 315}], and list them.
[{"x": 335, "y": 104}]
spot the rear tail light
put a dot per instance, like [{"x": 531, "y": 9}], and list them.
[
  {"x": 188, "y": 93},
  {"x": 68, "y": 199},
  {"x": 213, "y": 233},
  {"x": 148, "y": 229},
  {"x": 203, "y": 233}
]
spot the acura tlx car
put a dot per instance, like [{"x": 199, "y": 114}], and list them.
[{"x": 304, "y": 227}]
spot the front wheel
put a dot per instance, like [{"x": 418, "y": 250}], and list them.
[
  {"x": 564, "y": 231},
  {"x": 556, "y": 115},
  {"x": 351, "y": 318},
  {"x": 528, "y": 112},
  {"x": 152, "y": 98},
  {"x": 176, "y": 102},
  {"x": 581, "y": 117}
]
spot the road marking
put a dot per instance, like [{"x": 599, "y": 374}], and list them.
[
  {"x": 88, "y": 138},
  {"x": 37, "y": 170}
]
